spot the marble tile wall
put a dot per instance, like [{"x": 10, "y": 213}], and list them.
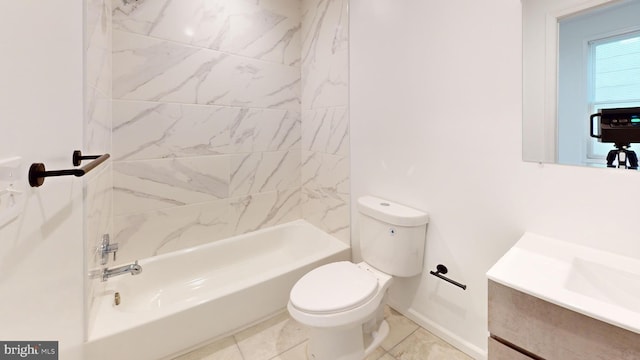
[
  {"x": 98, "y": 187},
  {"x": 206, "y": 120},
  {"x": 325, "y": 116}
]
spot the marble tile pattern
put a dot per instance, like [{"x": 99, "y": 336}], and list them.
[
  {"x": 97, "y": 122},
  {"x": 98, "y": 204},
  {"x": 206, "y": 120},
  {"x": 257, "y": 211},
  {"x": 326, "y": 130},
  {"x": 325, "y": 68},
  {"x": 268, "y": 30},
  {"x": 98, "y": 45},
  {"x": 97, "y": 50},
  {"x": 264, "y": 171},
  {"x": 227, "y": 104},
  {"x": 325, "y": 117},
  {"x": 282, "y": 338},
  {"x": 156, "y": 130},
  {"x": 161, "y": 183},
  {"x": 180, "y": 227},
  {"x": 97, "y": 137},
  {"x": 151, "y": 69},
  {"x": 171, "y": 229},
  {"x": 324, "y": 206}
]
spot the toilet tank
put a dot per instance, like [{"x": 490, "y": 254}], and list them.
[{"x": 392, "y": 236}]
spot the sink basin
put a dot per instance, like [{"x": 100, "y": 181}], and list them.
[
  {"x": 593, "y": 282},
  {"x": 605, "y": 283}
]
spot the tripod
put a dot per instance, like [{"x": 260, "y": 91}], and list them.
[{"x": 622, "y": 154}]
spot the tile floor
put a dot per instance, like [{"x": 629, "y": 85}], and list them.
[{"x": 282, "y": 338}]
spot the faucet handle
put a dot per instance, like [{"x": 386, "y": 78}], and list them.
[
  {"x": 114, "y": 249},
  {"x": 106, "y": 248}
]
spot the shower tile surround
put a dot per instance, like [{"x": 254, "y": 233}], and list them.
[
  {"x": 97, "y": 185},
  {"x": 325, "y": 116},
  {"x": 228, "y": 116}
]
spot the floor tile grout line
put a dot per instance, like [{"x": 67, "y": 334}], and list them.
[
  {"x": 306, "y": 339},
  {"x": 282, "y": 352},
  {"x": 235, "y": 341},
  {"x": 400, "y": 342},
  {"x": 272, "y": 357}
]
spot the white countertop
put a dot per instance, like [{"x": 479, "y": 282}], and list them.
[{"x": 599, "y": 284}]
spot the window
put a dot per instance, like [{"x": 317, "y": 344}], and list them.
[
  {"x": 598, "y": 67},
  {"x": 613, "y": 80}
]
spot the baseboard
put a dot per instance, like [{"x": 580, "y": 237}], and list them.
[{"x": 446, "y": 335}]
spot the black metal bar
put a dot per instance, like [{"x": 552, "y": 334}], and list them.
[
  {"x": 78, "y": 157},
  {"x": 441, "y": 269},
  {"x": 37, "y": 171}
]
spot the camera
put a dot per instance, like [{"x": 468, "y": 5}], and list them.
[{"x": 620, "y": 126}]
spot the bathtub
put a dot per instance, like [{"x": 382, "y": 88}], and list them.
[{"x": 188, "y": 297}]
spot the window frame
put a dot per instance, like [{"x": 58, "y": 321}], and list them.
[{"x": 593, "y": 156}]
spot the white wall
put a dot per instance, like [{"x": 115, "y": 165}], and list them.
[
  {"x": 41, "y": 253},
  {"x": 435, "y": 113}
]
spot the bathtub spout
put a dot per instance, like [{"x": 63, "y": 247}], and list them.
[{"x": 133, "y": 269}]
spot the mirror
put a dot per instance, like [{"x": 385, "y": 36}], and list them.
[{"x": 579, "y": 56}]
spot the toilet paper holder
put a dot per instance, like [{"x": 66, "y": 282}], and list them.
[{"x": 441, "y": 269}]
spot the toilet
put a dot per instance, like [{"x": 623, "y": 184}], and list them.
[{"x": 342, "y": 303}]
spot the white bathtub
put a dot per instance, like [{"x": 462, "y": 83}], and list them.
[{"x": 188, "y": 297}]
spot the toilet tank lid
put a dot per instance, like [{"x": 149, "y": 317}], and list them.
[{"x": 391, "y": 212}]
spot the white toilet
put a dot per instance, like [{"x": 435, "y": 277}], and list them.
[{"x": 343, "y": 303}]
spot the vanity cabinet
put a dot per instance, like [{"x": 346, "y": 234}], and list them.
[
  {"x": 500, "y": 351},
  {"x": 525, "y": 327}
]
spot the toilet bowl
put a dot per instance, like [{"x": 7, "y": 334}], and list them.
[
  {"x": 343, "y": 303},
  {"x": 336, "y": 300}
]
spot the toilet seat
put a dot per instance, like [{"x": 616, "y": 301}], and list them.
[{"x": 334, "y": 288}]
